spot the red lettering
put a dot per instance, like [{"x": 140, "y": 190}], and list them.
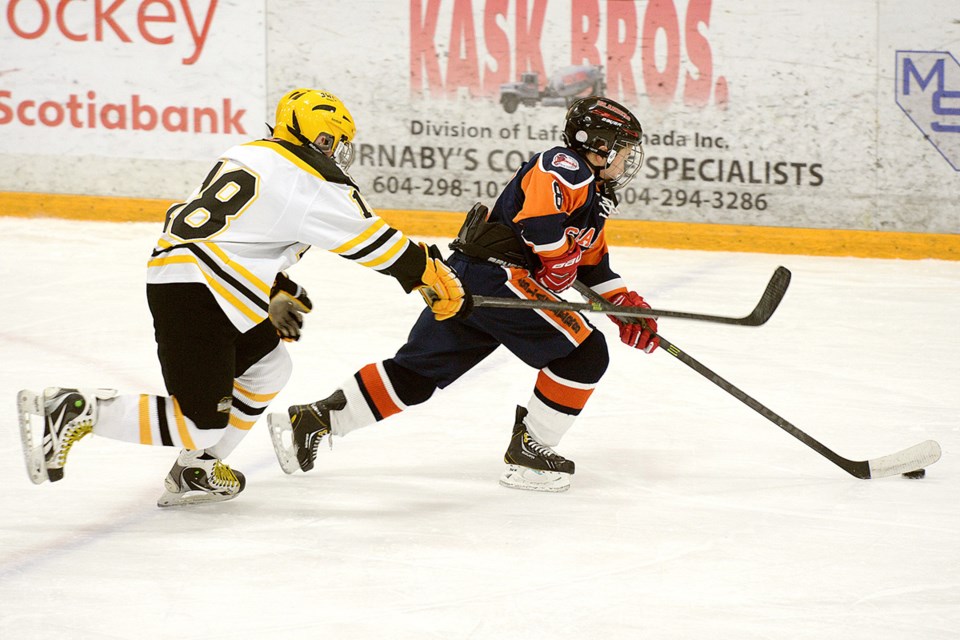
[
  {"x": 92, "y": 110},
  {"x": 15, "y": 27},
  {"x": 211, "y": 116},
  {"x": 661, "y": 85},
  {"x": 423, "y": 30},
  {"x": 73, "y": 105},
  {"x": 585, "y": 32},
  {"x": 696, "y": 91},
  {"x": 175, "y": 113},
  {"x": 620, "y": 52},
  {"x": 143, "y": 19},
  {"x": 462, "y": 62},
  {"x": 498, "y": 46},
  {"x": 199, "y": 38},
  {"x": 62, "y": 23},
  {"x": 6, "y": 113},
  {"x": 231, "y": 122},
  {"x": 22, "y": 113},
  {"x": 102, "y": 17},
  {"x": 529, "y": 32},
  {"x": 42, "y": 113},
  {"x": 118, "y": 113},
  {"x": 137, "y": 110}
]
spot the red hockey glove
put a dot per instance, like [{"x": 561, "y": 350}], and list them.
[
  {"x": 636, "y": 332},
  {"x": 559, "y": 272},
  {"x": 288, "y": 303}
]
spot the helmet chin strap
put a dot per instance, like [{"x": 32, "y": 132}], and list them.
[{"x": 304, "y": 140}]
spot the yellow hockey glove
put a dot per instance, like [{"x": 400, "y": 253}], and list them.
[
  {"x": 441, "y": 289},
  {"x": 288, "y": 303}
]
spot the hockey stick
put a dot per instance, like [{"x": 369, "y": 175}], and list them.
[
  {"x": 768, "y": 303},
  {"x": 911, "y": 459}
]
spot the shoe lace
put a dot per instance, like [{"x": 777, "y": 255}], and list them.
[
  {"x": 224, "y": 476},
  {"x": 323, "y": 431},
  {"x": 540, "y": 449},
  {"x": 74, "y": 433}
]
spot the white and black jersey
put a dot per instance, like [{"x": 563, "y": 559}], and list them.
[{"x": 259, "y": 209}]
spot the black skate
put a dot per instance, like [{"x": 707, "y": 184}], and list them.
[
  {"x": 68, "y": 415},
  {"x": 531, "y": 465},
  {"x": 197, "y": 478},
  {"x": 307, "y": 426}
]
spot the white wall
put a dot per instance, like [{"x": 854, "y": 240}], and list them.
[{"x": 804, "y": 102}]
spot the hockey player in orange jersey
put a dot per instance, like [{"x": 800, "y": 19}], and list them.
[
  {"x": 221, "y": 301},
  {"x": 545, "y": 231}
]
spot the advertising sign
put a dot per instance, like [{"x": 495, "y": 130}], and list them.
[
  {"x": 771, "y": 114},
  {"x": 149, "y": 79}
]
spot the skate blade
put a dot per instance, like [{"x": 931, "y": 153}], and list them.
[
  {"x": 517, "y": 477},
  {"x": 281, "y": 434},
  {"x": 31, "y": 403},
  {"x": 172, "y": 499}
]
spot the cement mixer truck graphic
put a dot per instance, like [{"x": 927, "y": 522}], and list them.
[{"x": 565, "y": 86}]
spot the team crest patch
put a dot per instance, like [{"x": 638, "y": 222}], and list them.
[
  {"x": 225, "y": 404},
  {"x": 565, "y": 161}
]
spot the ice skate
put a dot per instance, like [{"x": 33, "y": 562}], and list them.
[
  {"x": 297, "y": 435},
  {"x": 531, "y": 465},
  {"x": 68, "y": 415},
  {"x": 197, "y": 478}
]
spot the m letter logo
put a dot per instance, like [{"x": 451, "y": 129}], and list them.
[{"x": 928, "y": 91}]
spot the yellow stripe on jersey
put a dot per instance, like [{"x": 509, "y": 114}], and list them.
[
  {"x": 394, "y": 250},
  {"x": 286, "y": 154},
  {"x": 146, "y": 437},
  {"x": 379, "y": 224},
  {"x": 251, "y": 278},
  {"x": 182, "y": 426},
  {"x": 214, "y": 284}
]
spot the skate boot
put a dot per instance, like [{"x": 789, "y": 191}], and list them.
[
  {"x": 198, "y": 477},
  {"x": 531, "y": 465},
  {"x": 307, "y": 426},
  {"x": 68, "y": 415}
]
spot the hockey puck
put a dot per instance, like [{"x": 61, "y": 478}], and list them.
[{"x": 915, "y": 475}]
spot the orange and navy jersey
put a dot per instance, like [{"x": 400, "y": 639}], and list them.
[{"x": 554, "y": 200}]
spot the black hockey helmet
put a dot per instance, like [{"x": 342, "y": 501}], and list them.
[{"x": 602, "y": 126}]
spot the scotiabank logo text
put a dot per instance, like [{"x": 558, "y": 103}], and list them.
[
  {"x": 133, "y": 114},
  {"x": 155, "y": 22}
]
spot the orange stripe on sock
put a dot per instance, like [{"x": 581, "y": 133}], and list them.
[
  {"x": 182, "y": 426},
  {"x": 378, "y": 391},
  {"x": 562, "y": 394},
  {"x": 146, "y": 437}
]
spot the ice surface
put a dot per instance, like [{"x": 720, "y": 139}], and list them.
[{"x": 690, "y": 516}]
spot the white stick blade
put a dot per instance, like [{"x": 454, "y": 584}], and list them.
[{"x": 916, "y": 457}]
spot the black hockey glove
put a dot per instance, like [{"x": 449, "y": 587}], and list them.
[{"x": 288, "y": 303}]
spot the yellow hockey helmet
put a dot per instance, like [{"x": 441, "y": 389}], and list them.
[{"x": 319, "y": 119}]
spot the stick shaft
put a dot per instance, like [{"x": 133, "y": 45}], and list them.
[{"x": 768, "y": 303}]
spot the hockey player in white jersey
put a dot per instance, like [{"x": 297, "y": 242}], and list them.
[{"x": 221, "y": 301}]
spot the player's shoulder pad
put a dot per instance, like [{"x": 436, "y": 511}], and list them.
[
  {"x": 568, "y": 167},
  {"x": 323, "y": 166}
]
